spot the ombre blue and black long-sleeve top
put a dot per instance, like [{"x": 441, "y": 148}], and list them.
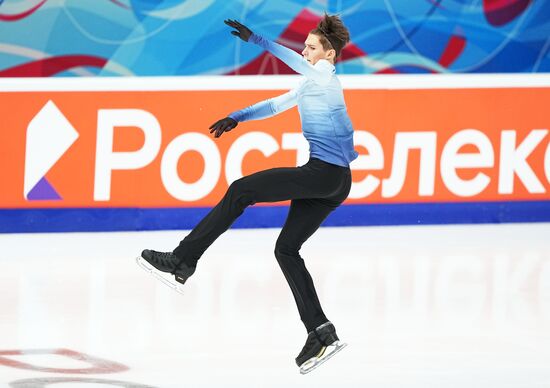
[{"x": 320, "y": 99}]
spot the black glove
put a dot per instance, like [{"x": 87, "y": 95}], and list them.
[
  {"x": 242, "y": 32},
  {"x": 223, "y": 125}
]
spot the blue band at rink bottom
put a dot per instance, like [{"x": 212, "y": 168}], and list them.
[{"x": 128, "y": 219}]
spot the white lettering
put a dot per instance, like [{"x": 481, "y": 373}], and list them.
[
  {"x": 169, "y": 166},
  {"x": 250, "y": 141},
  {"x": 297, "y": 141},
  {"x": 374, "y": 160},
  {"x": 513, "y": 161},
  {"x": 405, "y": 141},
  {"x": 451, "y": 160},
  {"x": 107, "y": 160}
]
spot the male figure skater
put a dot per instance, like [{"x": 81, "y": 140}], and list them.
[{"x": 315, "y": 189}]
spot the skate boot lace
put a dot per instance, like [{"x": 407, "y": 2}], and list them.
[
  {"x": 164, "y": 259},
  {"x": 164, "y": 256}
]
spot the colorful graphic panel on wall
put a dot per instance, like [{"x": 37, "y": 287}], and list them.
[{"x": 45, "y": 38}]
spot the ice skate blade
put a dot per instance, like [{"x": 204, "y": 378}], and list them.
[
  {"x": 314, "y": 362},
  {"x": 164, "y": 277}
]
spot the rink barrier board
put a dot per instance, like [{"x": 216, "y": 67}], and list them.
[
  {"x": 131, "y": 219},
  {"x": 521, "y": 114}
]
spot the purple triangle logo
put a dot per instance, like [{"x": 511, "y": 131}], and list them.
[{"x": 43, "y": 191}]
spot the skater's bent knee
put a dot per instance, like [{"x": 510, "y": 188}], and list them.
[
  {"x": 283, "y": 250},
  {"x": 241, "y": 194},
  {"x": 235, "y": 186}
]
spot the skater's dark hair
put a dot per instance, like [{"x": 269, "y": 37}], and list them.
[{"x": 332, "y": 33}]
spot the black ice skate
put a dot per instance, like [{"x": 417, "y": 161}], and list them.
[
  {"x": 321, "y": 344},
  {"x": 166, "y": 267}
]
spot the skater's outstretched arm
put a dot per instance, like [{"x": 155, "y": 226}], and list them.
[
  {"x": 321, "y": 72},
  {"x": 266, "y": 108},
  {"x": 260, "y": 110}
]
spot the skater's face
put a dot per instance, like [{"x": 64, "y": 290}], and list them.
[{"x": 314, "y": 50}]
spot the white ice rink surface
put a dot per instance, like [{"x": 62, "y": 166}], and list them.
[{"x": 422, "y": 306}]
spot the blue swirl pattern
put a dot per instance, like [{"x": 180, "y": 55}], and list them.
[{"x": 41, "y": 38}]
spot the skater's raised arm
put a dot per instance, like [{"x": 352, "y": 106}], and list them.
[{"x": 321, "y": 72}]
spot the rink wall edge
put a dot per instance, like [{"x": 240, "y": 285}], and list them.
[{"x": 135, "y": 219}]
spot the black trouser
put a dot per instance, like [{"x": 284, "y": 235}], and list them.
[{"x": 316, "y": 189}]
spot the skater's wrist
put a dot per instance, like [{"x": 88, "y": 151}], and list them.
[{"x": 234, "y": 116}]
